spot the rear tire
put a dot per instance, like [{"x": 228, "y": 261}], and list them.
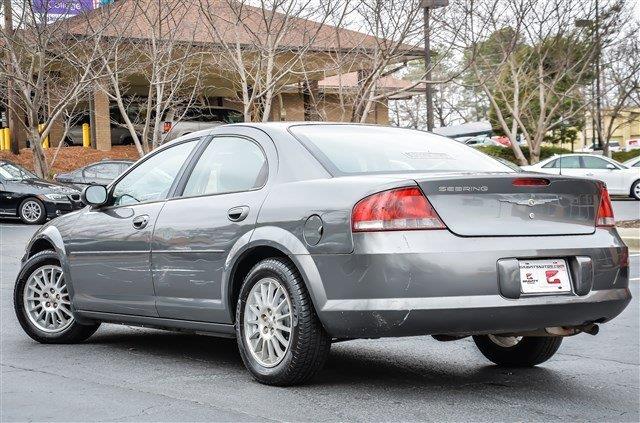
[
  {"x": 47, "y": 331},
  {"x": 527, "y": 352},
  {"x": 635, "y": 190},
  {"x": 300, "y": 350}
]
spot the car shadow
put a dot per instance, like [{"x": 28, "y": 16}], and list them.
[{"x": 376, "y": 368}]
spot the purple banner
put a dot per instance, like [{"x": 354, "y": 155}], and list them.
[{"x": 62, "y": 7}]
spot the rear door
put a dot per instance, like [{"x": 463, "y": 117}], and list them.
[{"x": 218, "y": 203}]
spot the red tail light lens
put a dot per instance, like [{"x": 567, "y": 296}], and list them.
[
  {"x": 166, "y": 127},
  {"x": 605, "y": 211},
  {"x": 399, "y": 209},
  {"x": 530, "y": 182}
]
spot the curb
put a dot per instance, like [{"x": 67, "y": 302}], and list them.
[{"x": 631, "y": 237}]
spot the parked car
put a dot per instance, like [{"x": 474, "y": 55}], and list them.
[
  {"x": 102, "y": 173},
  {"x": 620, "y": 179},
  {"x": 633, "y": 144},
  {"x": 199, "y": 118},
  {"x": 120, "y": 135},
  {"x": 289, "y": 236},
  {"x": 613, "y": 146},
  {"x": 24, "y": 195},
  {"x": 482, "y": 141}
]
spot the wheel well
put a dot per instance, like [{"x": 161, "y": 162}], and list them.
[
  {"x": 632, "y": 184},
  {"x": 39, "y": 246},
  {"x": 244, "y": 265}
]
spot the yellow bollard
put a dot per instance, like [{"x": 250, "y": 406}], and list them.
[
  {"x": 7, "y": 138},
  {"x": 86, "y": 135},
  {"x": 45, "y": 142},
  {"x": 2, "y": 139}
]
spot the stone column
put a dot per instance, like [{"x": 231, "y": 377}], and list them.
[
  {"x": 310, "y": 96},
  {"x": 102, "y": 120}
]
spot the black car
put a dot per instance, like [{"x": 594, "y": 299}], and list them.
[
  {"x": 100, "y": 173},
  {"x": 33, "y": 199}
]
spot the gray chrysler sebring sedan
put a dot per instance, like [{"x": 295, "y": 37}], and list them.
[{"x": 289, "y": 237}]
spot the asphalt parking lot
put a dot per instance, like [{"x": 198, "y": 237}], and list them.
[{"x": 132, "y": 374}]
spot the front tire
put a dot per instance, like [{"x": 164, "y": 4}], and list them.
[
  {"x": 32, "y": 211},
  {"x": 42, "y": 305},
  {"x": 510, "y": 351},
  {"x": 280, "y": 337}
]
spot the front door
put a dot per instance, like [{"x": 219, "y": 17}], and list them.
[
  {"x": 195, "y": 232},
  {"x": 109, "y": 250}
]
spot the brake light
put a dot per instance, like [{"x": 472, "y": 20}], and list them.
[
  {"x": 605, "y": 210},
  {"x": 530, "y": 182},
  {"x": 166, "y": 127},
  {"x": 395, "y": 210}
]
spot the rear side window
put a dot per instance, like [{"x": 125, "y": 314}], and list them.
[
  {"x": 228, "y": 164},
  {"x": 571, "y": 162},
  {"x": 351, "y": 149},
  {"x": 103, "y": 170},
  {"x": 552, "y": 164}
]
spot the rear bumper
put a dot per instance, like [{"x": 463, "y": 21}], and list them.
[{"x": 434, "y": 282}]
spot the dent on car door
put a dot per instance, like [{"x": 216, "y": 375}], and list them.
[
  {"x": 196, "y": 231},
  {"x": 109, "y": 251}
]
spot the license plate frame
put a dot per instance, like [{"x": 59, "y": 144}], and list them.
[{"x": 545, "y": 277}]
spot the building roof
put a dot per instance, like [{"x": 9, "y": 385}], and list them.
[
  {"x": 186, "y": 22},
  {"x": 386, "y": 83}
]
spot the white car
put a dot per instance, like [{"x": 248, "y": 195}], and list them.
[
  {"x": 620, "y": 179},
  {"x": 635, "y": 162}
]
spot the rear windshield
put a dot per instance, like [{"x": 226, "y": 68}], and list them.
[{"x": 351, "y": 149}]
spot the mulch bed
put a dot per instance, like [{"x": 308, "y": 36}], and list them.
[{"x": 70, "y": 158}]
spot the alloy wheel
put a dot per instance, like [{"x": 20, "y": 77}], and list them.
[
  {"x": 46, "y": 300},
  {"x": 505, "y": 341},
  {"x": 31, "y": 211},
  {"x": 267, "y": 322}
]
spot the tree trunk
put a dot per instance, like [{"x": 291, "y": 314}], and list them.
[{"x": 39, "y": 160}]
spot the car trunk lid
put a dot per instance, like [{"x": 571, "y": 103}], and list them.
[{"x": 497, "y": 205}]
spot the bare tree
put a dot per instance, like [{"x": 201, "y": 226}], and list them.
[
  {"x": 620, "y": 74},
  {"x": 155, "y": 71},
  {"x": 260, "y": 47},
  {"x": 50, "y": 67},
  {"x": 532, "y": 66}
]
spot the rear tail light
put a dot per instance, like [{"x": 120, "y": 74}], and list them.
[
  {"x": 395, "y": 210},
  {"x": 605, "y": 210},
  {"x": 166, "y": 127},
  {"x": 530, "y": 182}
]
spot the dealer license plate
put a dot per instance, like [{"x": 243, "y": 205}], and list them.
[{"x": 544, "y": 276}]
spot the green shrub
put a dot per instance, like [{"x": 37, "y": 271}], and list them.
[
  {"x": 507, "y": 153},
  {"x": 623, "y": 156}
]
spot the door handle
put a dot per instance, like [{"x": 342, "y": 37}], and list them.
[
  {"x": 238, "y": 214},
  {"x": 140, "y": 222}
]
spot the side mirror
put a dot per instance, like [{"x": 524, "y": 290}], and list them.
[
  {"x": 94, "y": 195},
  {"x": 611, "y": 167}
]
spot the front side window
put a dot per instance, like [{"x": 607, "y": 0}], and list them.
[
  {"x": 350, "y": 149},
  {"x": 152, "y": 179},
  {"x": 591, "y": 162},
  {"x": 229, "y": 164}
]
